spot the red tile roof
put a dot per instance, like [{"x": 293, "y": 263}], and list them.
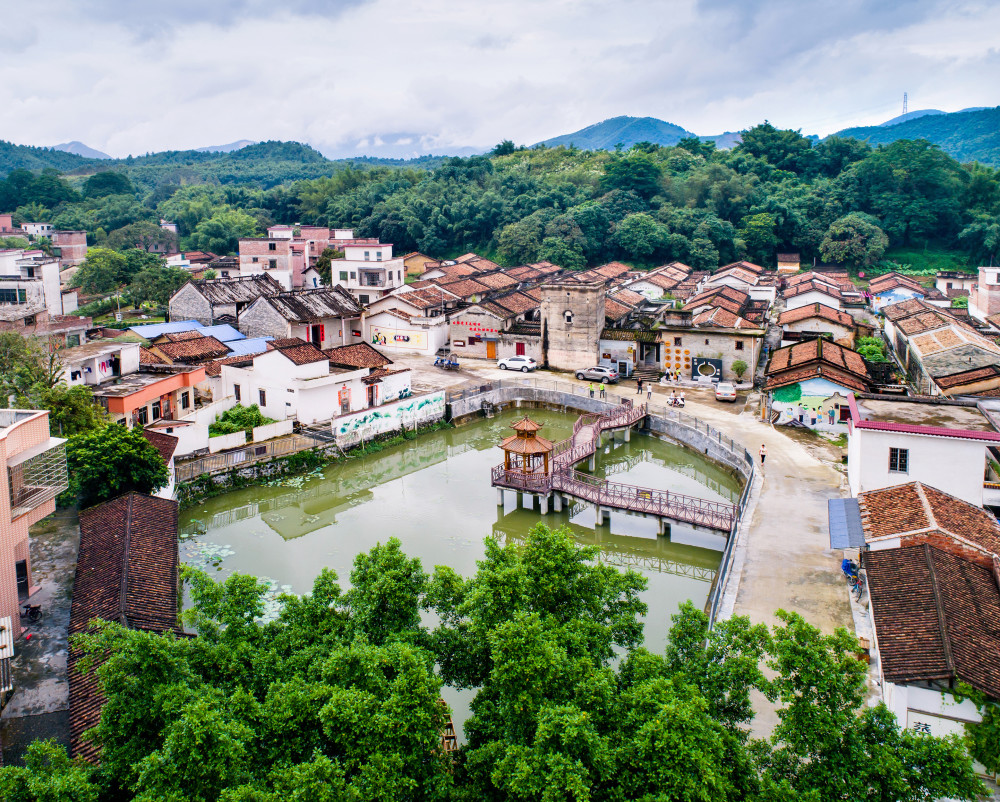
[
  {"x": 936, "y": 616},
  {"x": 973, "y": 376},
  {"x": 195, "y": 349},
  {"x": 816, "y": 310},
  {"x": 892, "y": 280},
  {"x": 147, "y": 357},
  {"x": 166, "y": 444},
  {"x": 127, "y": 572},
  {"x": 812, "y": 358},
  {"x": 813, "y": 285},
  {"x": 358, "y": 355},
  {"x": 297, "y": 350}
]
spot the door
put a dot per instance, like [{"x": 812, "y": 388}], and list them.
[
  {"x": 519, "y": 349},
  {"x": 372, "y": 395},
  {"x": 491, "y": 349}
]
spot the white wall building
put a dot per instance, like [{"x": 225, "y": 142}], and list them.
[
  {"x": 369, "y": 272},
  {"x": 97, "y": 362},
  {"x": 895, "y": 441}
]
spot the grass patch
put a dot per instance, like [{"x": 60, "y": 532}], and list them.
[{"x": 922, "y": 262}]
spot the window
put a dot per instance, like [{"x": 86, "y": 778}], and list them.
[
  {"x": 22, "y": 296},
  {"x": 378, "y": 256},
  {"x": 343, "y": 275},
  {"x": 568, "y": 317},
  {"x": 74, "y": 375},
  {"x": 185, "y": 400},
  {"x": 475, "y": 340},
  {"x": 739, "y": 345},
  {"x": 368, "y": 256},
  {"x": 353, "y": 275},
  {"x": 142, "y": 416},
  {"x": 272, "y": 263},
  {"x": 677, "y": 342},
  {"x": 272, "y": 246},
  {"x": 29, "y": 320},
  {"x": 156, "y": 410},
  {"x": 263, "y": 397},
  {"x": 363, "y": 299},
  {"x": 10, "y": 296},
  {"x": 899, "y": 460},
  {"x": 236, "y": 392},
  {"x": 254, "y": 260},
  {"x": 72, "y": 340},
  {"x": 399, "y": 275}
]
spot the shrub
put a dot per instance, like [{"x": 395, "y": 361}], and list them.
[{"x": 238, "y": 419}]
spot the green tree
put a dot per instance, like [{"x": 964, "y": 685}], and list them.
[
  {"x": 635, "y": 172},
  {"x": 786, "y": 150},
  {"x": 757, "y": 233},
  {"x": 981, "y": 238},
  {"x": 222, "y": 232},
  {"x": 855, "y": 240},
  {"x": 640, "y": 237},
  {"x": 48, "y": 775},
  {"x": 387, "y": 588},
  {"x": 145, "y": 235},
  {"x": 107, "y": 182},
  {"x": 505, "y": 148},
  {"x": 113, "y": 460},
  {"x": 324, "y": 264},
  {"x": 103, "y": 271},
  {"x": 157, "y": 284}
]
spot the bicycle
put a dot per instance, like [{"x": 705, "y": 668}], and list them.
[
  {"x": 854, "y": 580},
  {"x": 33, "y": 612}
]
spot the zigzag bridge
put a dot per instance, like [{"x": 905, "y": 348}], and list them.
[{"x": 556, "y": 477}]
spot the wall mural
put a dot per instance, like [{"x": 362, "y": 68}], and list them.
[
  {"x": 398, "y": 338},
  {"x": 814, "y": 403},
  {"x": 390, "y": 417}
]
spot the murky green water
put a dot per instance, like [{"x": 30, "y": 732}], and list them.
[{"x": 434, "y": 494}]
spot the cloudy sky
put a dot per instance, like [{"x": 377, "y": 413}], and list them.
[{"x": 392, "y": 76}]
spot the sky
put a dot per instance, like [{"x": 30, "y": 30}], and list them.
[{"x": 407, "y": 77}]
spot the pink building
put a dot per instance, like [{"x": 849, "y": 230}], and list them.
[
  {"x": 32, "y": 474},
  {"x": 72, "y": 246},
  {"x": 7, "y": 224}
]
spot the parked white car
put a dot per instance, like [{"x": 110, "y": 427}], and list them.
[
  {"x": 724, "y": 391},
  {"x": 521, "y": 363}
]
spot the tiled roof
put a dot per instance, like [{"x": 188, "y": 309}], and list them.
[
  {"x": 241, "y": 360},
  {"x": 378, "y": 374},
  {"x": 178, "y": 336},
  {"x": 892, "y": 280},
  {"x": 629, "y": 297},
  {"x": 717, "y": 317},
  {"x": 936, "y": 616},
  {"x": 816, "y": 310},
  {"x": 757, "y": 269},
  {"x": 358, "y": 355},
  {"x": 904, "y": 309},
  {"x": 166, "y": 444},
  {"x": 926, "y": 320},
  {"x": 224, "y": 291},
  {"x": 822, "y": 358},
  {"x": 813, "y": 285},
  {"x": 466, "y": 288},
  {"x": 195, "y": 349},
  {"x": 614, "y": 310},
  {"x": 304, "y": 306},
  {"x": 916, "y": 508},
  {"x": 297, "y": 351},
  {"x": 147, "y": 357},
  {"x": 737, "y": 272},
  {"x": 842, "y": 280},
  {"x": 426, "y": 297},
  {"x": 126, "y": 571},
  {"x": 496, "y": 281},
  {"x": 967, "y": 377}
]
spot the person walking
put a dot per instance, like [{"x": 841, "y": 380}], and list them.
[
  {"x": 649, "y": 391},
  {"x": 604, "y": 389},
  {"x": 638, "y": 387},
  {"x": 592, "y": 388},
  {"x": 763, "y": 453}
]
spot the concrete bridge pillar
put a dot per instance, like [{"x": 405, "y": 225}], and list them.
[
  {"x": 557, "y": 501},
  {"x": 543, "y": 503},
  {"x": 592, "y": 462},
  {"x": 663, "y": 527},
  {"x": 499, "y": 496},
  {"x": 628, "y": 434},
  {"x": 600, "y": 515},
  {"x": 520, "y": 498}
]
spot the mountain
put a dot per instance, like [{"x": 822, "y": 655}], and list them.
[
  {"x": 80, "y": 149},
  {"x": 239, "y": 143},
  {"x": 910, "y": 115},
  {"x": 621, "y": 130},
  {"x": 26, "y": 157},
  {"x": 965, "y": 135}
]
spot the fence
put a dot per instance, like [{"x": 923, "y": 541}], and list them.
[{"x": 257, "y": 452}]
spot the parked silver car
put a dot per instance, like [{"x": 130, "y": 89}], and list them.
[{"x": 599, "y": 373}]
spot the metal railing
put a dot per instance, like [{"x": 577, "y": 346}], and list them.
[{"x": 241, "y": 457}]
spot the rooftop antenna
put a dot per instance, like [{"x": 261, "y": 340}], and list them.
[{"x": 904, "y": 102}]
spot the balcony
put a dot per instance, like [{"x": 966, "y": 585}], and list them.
[{"x": 36, "y": 476}]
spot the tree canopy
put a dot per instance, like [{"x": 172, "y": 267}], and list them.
[
  {"x": 110, "y": 460},
  {"x": 337, "y": 696}
]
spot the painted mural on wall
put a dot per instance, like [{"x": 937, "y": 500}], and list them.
[
  {"x": 894, "y": 296},
  {"x": 816, "y": 403},
  {"x": 390, "y": 417},
  {"x": 398, "y": 338}
]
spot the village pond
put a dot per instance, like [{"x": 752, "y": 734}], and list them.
[{"x": 434, "y": 494}]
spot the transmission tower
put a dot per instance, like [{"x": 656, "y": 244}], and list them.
[{"x": 904, "y": 102}]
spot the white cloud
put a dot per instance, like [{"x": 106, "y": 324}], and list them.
[{"x": 132, "y": 77}]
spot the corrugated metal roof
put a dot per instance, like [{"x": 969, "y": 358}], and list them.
[{"x": 846, "y": 531}]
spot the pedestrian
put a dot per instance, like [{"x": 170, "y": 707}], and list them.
[
  {"x": 592, "y": 388},
  {"x": 649, "y": 391},
  {"x": 638, "y": 387},
  {"x": 763, "y": 453},
  {"x": 682, "y": 398},
  {"x": 604, "y": 389}
]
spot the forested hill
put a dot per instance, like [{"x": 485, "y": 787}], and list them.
[
  {"x": 776, "y": 192},
  {"x": 24, "y": 157},
  {"x": 264, "y": 164},
  {"x": 966, "y": 135},
  {"x": 624, "y": 131}
]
